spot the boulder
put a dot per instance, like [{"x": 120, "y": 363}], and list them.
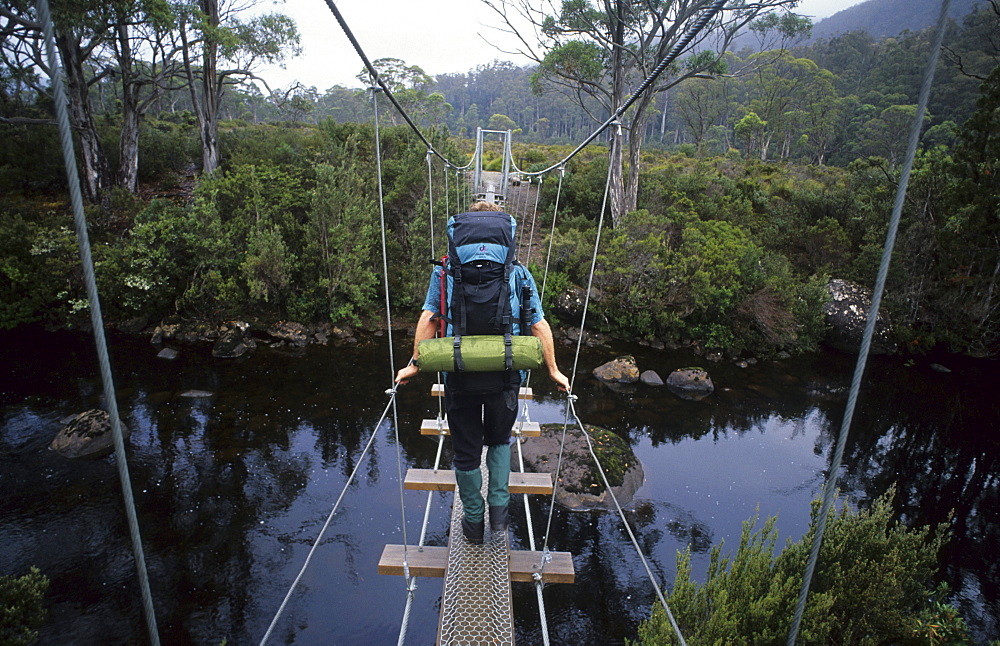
[
  {"x": 651, "y": 378},
  {"x": 690, "y": 383},
  {"x": 167, "y": 353},
  {"x": 186, "y": 331},
  {"x": 846, "y": 314},
  {"x": 234, "y": 342},
  {"x": 569, "y": 304},
  {"x": 87, "y": 435},
  {"x": 622, "y": 370},
  {"x": 293, "y": 333},
  {"x": 580, "y": 486}
]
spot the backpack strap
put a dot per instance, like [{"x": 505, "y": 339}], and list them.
[{"x": 527, "y": 311}]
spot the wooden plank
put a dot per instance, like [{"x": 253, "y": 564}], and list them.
[
  {"x": 444, "y": 480},
  {"x": 433, "y": 562},
  {"x": 528, "y": 429},
  {"x": 537, "y": 483},
  {"x": 524, "y": 563},
  {"x": 437, "y": 390},
  {"x": 430, "y": 480}
]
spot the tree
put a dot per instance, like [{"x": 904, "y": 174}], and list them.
[
  {"x": 213, "y": 32},
  {"x": 598, "y": 53},
  {"x": 141, "y": 26},
  {"x": 80, "y": 29},
  {"x": 751, "y": 129}
]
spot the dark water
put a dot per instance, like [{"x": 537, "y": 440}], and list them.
[{"x": 232, "y": 490}]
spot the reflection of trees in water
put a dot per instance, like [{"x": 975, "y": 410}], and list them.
[
  {"x": 223, "y": 466},
  {"x": 934, "y": 435},
  {"x": 612, "y": 592}
]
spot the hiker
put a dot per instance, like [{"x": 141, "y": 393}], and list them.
[{"x": 482, "y": 406}]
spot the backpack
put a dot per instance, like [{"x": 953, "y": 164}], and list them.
[{"x": 481, "y": 265}]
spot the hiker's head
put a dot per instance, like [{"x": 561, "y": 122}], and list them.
[{"x": 485, "y": 206}]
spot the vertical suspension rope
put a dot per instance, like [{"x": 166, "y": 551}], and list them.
[
  {"x": 96, "y": 318},
  {"x": 552, "y": 233},
  {"x": 830, "y": 486},
  {"x": 534, "y": 218},
  {"x": 410, "y": 587},
  {"x": 447, "y": 199},
  {"x": 430, "y": 199}
]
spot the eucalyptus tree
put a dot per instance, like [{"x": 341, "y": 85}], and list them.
[
  {"x": 230, "y": 49},
  {"x": 598, "y": 52},
  {"x": 146, "y": 54},
  {"x": 81, "y": 28}
]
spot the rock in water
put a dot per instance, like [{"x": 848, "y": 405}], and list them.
[
  {"x": 651, "y": 378},
  {"x": 197, "y": 394},
  {"x": 622, "y": 370},
  {"x": 234, "y": 342},
  {"x": 87, "y": 435},
  {"x": 167, "y": 353},
  {"x": 293, "y": 333},
  {"x": 581, "y": 487},
  {"x": 690, "y": 383}
]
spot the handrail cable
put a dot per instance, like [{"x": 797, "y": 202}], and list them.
[
  {"x": 392, "y": 395},
  {"x": 409, "y": 582},
  {"x": 96, "y": 318},
  {"x": 571, "y": 409},
  {"x": 628, "y": 528},
  {"x": 674, "y": 52},
  {"x": 833, "y": 476},
  {"x": 377, "y": 79}
]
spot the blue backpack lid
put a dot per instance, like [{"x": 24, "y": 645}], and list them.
[{"x": 482, "y": 235}]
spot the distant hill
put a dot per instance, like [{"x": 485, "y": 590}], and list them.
[{"x": 889, "y": 17}]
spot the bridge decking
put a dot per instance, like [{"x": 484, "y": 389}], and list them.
[{"x": 476, "y": 601}]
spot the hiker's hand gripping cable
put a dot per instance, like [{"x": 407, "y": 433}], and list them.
[{"x": 425, "y": 330}]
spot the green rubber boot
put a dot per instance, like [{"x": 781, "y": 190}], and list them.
[
  {"x": 497, "y": 493},
  {"x": 469, "y": 485}
]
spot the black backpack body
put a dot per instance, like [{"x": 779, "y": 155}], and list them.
[{"x": 480, "y": 267}]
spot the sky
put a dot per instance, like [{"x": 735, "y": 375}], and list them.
[{"x": 440, "y": 36}]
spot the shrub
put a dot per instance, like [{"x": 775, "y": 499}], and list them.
[
  {"x": 21, "y": 610},
  {"x": 870, "y": 585}
]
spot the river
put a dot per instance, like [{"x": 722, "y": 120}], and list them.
[{"x": 232, "y": 489}]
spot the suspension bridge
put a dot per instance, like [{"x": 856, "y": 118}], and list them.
[{"x": 476, "y": 598}]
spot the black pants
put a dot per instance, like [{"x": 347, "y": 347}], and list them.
[{"x": 476, "y": 420}]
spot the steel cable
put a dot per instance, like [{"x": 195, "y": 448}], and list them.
[
  {"x": 833, "y": 476},
  {"x": 96, "y": 318}
]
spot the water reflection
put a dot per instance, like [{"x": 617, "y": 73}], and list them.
[{"x": 233, "y": 488}]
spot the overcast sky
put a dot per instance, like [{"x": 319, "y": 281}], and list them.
[{"x": 440, "y": 36}]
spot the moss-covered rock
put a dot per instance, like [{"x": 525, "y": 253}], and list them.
[{"x": 580, "y": 485}]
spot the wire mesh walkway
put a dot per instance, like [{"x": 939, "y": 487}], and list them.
[{"x": 476, "y": 602}]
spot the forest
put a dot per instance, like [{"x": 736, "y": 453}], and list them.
[{"x": 751, "y": 178}]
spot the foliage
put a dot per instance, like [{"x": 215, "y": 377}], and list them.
[
  {"x": 21, "y": 610},
  {"x": 870, "y": 585}
]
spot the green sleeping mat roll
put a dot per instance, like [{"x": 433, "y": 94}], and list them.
[{"x": 480, "y": 353}]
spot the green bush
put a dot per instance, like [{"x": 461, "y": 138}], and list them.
[
  {"x": 871, "y": 585},
  {"x": 21, "y": 610}
]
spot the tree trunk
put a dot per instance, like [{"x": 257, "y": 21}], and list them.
[
  {"x": 128, "y": 145},
  {"x": 640, "y": 117},
  {"x": 617, "y": 197},
  {"x": 209, "y": 114},
  {"x": 96, "y": 172}
]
